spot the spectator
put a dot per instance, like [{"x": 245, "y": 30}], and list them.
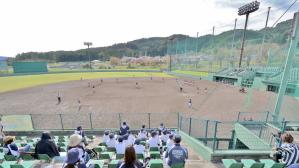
[
  {"x": 164, "y": 137},
  {"x": 106, "y": 136},
  {"x": 73, "y": 159},
  {"x": 190, "y": 103},
  {"x": 277, "y": 139},
  {"x": 125, "y": 140},
  {"x": 75, "y": 141},
  {"x": 161, "y": 127},
  {"x": 139, "y": 148},
  {"x": 1, "y": 132},
  {"x": 154, "y": 141},
  {"x": 10, "y": 148},
  {"x": 80, "y": 132},
  {"x": 111, "y": 143},
  {"x": 120, "y": 146},
  {"x": 289, "y": 151},
  {"x": 170, "y": 142},
  {"x": 46, "y": 146},
  {"x": 143, "y": 133},
  {"x": 124, "y": 129},
  {"x": 130, "y": 160},
  {"x": 177, "y": 154},
  {"x": 131, "y": 138}
]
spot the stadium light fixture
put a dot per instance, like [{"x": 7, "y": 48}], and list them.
[
  {"x": 88, "y": 44},
  {"x": 246, "y": 10}
]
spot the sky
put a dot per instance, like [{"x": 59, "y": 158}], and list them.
[{"x": 50, "y": 25}]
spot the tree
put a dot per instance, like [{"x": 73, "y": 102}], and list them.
[{"x": 114, "y": 61}]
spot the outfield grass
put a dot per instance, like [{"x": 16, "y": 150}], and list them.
[
  {"x": 18, "y": 82},
  {"x": 194, "y": 73}
]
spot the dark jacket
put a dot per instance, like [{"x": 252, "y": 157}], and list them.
[
  {"x": 124, "y": 130},
  {"x": 121, "y": 164},
  {"x": 46, "y": 146}
]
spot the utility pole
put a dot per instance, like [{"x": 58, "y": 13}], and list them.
[
  {"x": 88, "y": 44},
  {"x": 287, "y": 67},
  {"x": 196, "y": 44},
  {"x": 264, "y": 34},
  {"x": 246, "y": 10},
  {"x": 233, "y": 42}
]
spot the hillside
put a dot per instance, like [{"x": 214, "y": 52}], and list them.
[{"x": 157, "y": 46}]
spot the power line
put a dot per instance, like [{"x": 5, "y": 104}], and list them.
[{"x": 284, "y": 13}]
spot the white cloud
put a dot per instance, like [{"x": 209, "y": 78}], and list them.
[{"x": 35, "y": 25}]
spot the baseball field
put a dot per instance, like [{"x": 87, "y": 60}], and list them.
[{"x": 133, "y": 94}]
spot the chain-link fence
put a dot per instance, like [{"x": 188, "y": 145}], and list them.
[{"x": 102, "y": 120}]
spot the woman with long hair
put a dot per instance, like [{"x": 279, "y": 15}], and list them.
[{"x": 130, "y": 160}]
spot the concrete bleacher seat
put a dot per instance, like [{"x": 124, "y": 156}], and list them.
[
  {"x": 24, "y": 164},
  {"x": 156, "y": 163},
  {"x": 113, "y": 164},
  {"x": 44, "y": 157},
  {"x": 249, "y": 163},
  {"x": 10, "y": 158},
  {"x": 27, "y": 157},
  {"x": 119, "y": 156},
  {"x": 155, "y": 154},
  {"x": 140, "y": 156},
  {"x": 111, "y": 149},
  {"x": 271, "y": 164},
  {"x": 231, "y": 163},
  {"x": 97, "y": 163},
  {"x": 154, "y": 148},
  {"x": 6, "y": 164},
  {"x": 106, "y": 155},
  {"x": 100, "y": 149},
  {"x": 180, "y": 165}
]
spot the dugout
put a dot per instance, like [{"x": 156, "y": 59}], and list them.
[{"x": 29, "y": 67}]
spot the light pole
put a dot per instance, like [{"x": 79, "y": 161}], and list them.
[
  {"x": 88, "y": 44},
  {"x": 233, "y": 44},
  {"x": 246, "y": 10},
  {"x": 264, "y": 35}
]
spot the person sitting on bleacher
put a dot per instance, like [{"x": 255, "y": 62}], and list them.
[
  {"x": 73, "y": 159},
  {"x": 170, "y": 142},
  {"x": 106, "y": 136},
  {"x": 130, "y": 160},
  {"x": 46, "y": 146},
  {"x": 111, "y": 143},
  {"x": 124, "y": 129},
  {"x": 154, "y": 140},
  {"x": 10, "y": 148},
  {"x": 289, "y": 151},
  {"x": 76, "y": 141},
  {"x": 161, "y": 127},
  {"x": 125, "y": 140},
  {"x": 139, "y": 148},
  {"x": 143, "y": 133},
  {"x": 131, "y": 138},
  {"x": 177, "y": 154},
  {"x": 80, "y": 132},
  {"x": 120, "y": 146},
  {"x": 164, "y": 137}
]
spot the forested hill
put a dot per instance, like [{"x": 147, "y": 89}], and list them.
[{"x": 157, "y": 46}]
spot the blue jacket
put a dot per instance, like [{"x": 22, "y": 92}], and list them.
[
  {"x": 176, "y": 154},
  {"x": 124, "y": 130}
]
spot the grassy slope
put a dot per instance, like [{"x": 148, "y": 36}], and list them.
[{"x": 18, "y": 82}]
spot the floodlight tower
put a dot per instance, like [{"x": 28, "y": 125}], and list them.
[
  {"x": 246, "y": 10},
  {"x": 88, "y": 44}
]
